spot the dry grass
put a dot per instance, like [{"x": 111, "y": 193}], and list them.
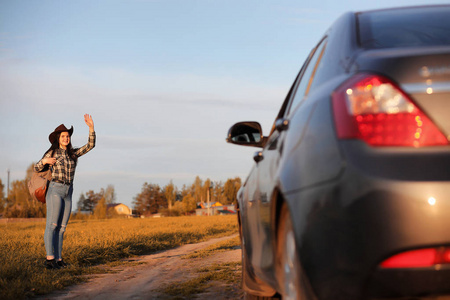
[
  {"x": 226, "y": 273},
  {"x": 88, "y": 244},
  {"x": 226, "y": 245}
]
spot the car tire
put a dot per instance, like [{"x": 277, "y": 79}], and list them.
[{"x": 290, "y": 275}]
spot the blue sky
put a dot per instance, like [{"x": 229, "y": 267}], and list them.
[{"x": 163, "y": 80}]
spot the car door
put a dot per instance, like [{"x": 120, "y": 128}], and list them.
[{"x": 268, "y": 162}]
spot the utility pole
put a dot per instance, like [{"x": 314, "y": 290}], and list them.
[
  {"x": 208, "y": 198},
  {"x": 7, "y": 189},
  {"x": 207, "y": 201}
]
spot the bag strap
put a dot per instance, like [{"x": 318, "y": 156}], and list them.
[{"x": 51, "y": 155}]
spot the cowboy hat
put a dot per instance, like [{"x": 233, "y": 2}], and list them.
[{"x": 61, "y": 128}]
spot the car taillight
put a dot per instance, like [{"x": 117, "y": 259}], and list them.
[
  {"x": 418, "y": 258},
  {"x": 372, "y": 108}
]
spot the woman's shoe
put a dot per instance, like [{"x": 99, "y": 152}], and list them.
[
  {"x": 61, "y": 264},
  {"x": 51, "y": 264}
]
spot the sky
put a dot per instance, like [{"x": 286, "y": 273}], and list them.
[{"x": 163, "y": 80}]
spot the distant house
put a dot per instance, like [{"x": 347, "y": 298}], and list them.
[
  {"x": 120, "y": 208},
  {"x": 214, "y": 208}
]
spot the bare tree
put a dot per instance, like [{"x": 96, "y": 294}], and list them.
[{"x": 110, "y": 194}]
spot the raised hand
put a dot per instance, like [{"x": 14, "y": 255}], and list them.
[{"x": 89, "y": 122}]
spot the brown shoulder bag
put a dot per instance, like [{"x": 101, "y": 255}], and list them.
[{"x": 38, "y": 184}]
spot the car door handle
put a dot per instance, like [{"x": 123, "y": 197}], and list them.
[
  {"x": 282, "y": 124},
  {"x": 258, "y": 156}
]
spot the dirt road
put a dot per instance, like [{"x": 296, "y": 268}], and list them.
[{"x": 148, "y": 273}]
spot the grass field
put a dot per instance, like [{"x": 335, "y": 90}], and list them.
[{"x": 88, "y": 244}]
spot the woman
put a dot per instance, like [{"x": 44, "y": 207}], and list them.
[{"x": 63, "y": 160}]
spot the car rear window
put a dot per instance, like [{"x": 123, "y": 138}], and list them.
[{"x": 407, "y": 27}]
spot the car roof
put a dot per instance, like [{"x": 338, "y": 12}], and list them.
[{"x": 401, "y": 8}]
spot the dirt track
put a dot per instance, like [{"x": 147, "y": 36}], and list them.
[{"x": 150, "y": 272}]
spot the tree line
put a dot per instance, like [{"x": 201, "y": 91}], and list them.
[{"x": 168, "y": 199}]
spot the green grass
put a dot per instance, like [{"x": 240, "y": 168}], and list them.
[{"x": 88, "y": 244}]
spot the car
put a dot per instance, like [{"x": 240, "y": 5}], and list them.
[{"x": 349, "y": 194}]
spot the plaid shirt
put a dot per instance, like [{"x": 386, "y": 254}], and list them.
[{"x": 64, "y": 167}]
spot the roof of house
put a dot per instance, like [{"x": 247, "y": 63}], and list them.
[{"x": 211, "y": 204}]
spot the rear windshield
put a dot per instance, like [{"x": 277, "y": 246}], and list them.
[{"x": 410, "y": 27}]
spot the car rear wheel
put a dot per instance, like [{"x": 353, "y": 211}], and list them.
[{"x": 291, "y": 283}]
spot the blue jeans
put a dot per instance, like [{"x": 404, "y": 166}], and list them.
[{"x": 59, "y": 206}]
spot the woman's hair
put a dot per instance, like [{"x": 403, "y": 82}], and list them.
[{"x": 69, "y": 149}]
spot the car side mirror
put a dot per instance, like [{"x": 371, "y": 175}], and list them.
[{"x": 246, "y": 134}]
